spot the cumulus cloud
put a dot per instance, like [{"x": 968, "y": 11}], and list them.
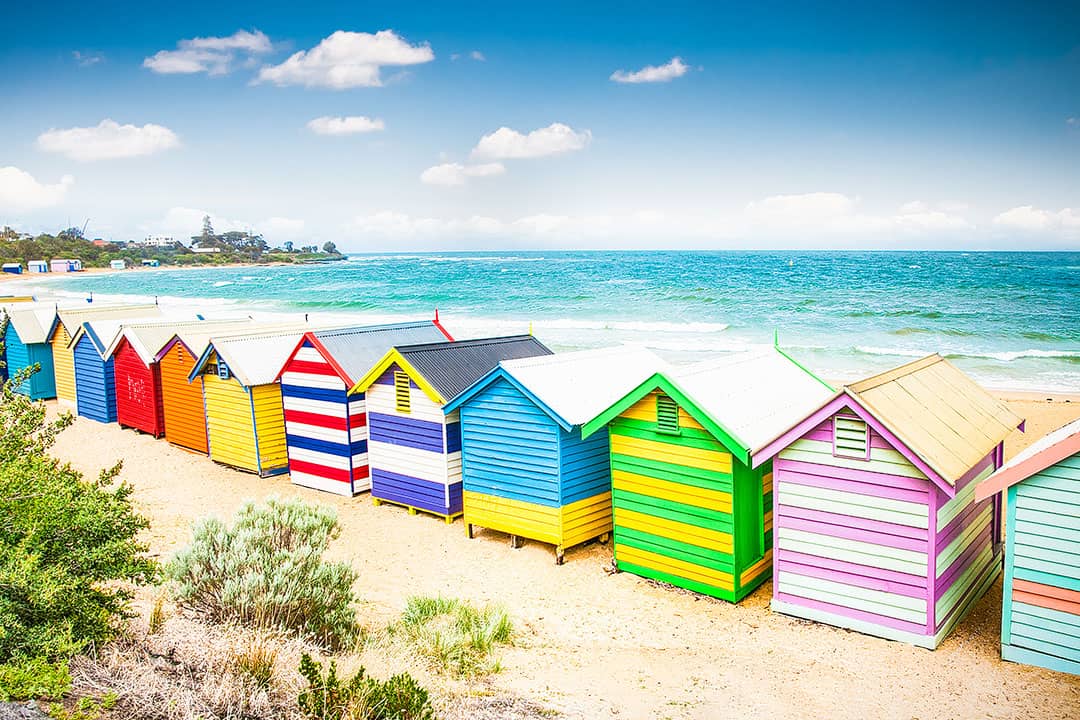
[
  {"x": 108, "y": 140},
  {"x": 20, "y": 192},
  {"x": 824, "y": 214},
  {"x": 211, "y": 55},
  {"x": 1073, "y": 121},
  {"x": 508, "y": 144},
  {"x": 1027, "y": 218},
  {"x": 86, "y": 59},
  {"x": 347, "y": 60},
  {"x": 279, "y": 229},
  {"x": 477, "y": 55},
  {"x": 451, "y": 174},
  {"x": 674, "y": 68},
  {"x": 349, "y": 125}
]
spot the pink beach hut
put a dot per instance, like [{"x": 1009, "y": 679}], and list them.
[{"x": 877, "y": 528}]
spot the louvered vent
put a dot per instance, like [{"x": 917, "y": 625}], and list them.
[
  {"x": 402, "y": 398},
  {"x": 667, "y": 415},
  {"x": 851, "y": 437}
]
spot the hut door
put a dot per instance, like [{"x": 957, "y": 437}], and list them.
[{"x": 747, "y": 507}]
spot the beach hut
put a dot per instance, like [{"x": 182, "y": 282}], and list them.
[
  {"x": 688, "y": 506},
  {"x": 12, "y": 268},
  {"x": 65, "y": 265},
  {"x": 37, "y": 266},
  {"x": 1040, "y": 608},
  {"x": 414, "y": 448},
  {"x": 134, "y": 351},
  {"x": 118, "y": 264},
  {"x": 325, "y": 426},
  {"x": 26, "y": 343},
  {"x": 877, "y": 526},
  {"x": 64, "y": 327},
  {"x": 151, "y": 263},
  {"x": 527, "y": 470},
  {"x": 245, "y": 424}
]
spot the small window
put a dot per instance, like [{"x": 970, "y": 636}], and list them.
[
  {"x": 851, "y": 437},
  {"x": 667, "y": 415},
  {"x": 223, "y": 370},
  {"x": 402, "y": 396}
]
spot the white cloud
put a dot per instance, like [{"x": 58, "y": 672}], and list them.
[
  {"x": 392, "y": 225},
  {"x": 347, "y": 60},
  {"x": 87, "y": 59},
  {"x": 828, "y": 214},
  {"x": 508, "y": 144},
  {"x": 674, "y": 68},
  {"x": 457, "y": 173},
  {"x": 20, "y": 192},
  {"x": 1073, "y": 121},
  {"x": 182, "y": 223},
  {"x": 277, "y": 230},
  {"x": 1032, "y": 219},
  {"x": 349, "y": 125},
  {"x": 107, "y": 140},
  {"x": 477, "y": 55},
  {"x": 211, "y": 55}
]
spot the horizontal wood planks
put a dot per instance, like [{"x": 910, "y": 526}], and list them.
[
  {"x": 138, "y": 391},
  {"x": 1041, "y": 609},
  {"x": 182, "y": 402},
  {"x": 94, "y": 382},
  {"x": 63, "y": 364},
  {"x": 674, "y": 503}
]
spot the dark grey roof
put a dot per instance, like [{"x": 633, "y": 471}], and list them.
[
  {"x": 356, "y": 349},
  {"x": 451, "y": 367}
]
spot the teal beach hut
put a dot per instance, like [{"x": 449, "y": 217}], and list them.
[{"x": 26, "y": 340}]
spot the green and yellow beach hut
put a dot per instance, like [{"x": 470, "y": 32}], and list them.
[{"x": 689, "y": 508}]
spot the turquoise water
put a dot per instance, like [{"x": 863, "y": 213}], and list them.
[{"x": 1011, "y": 319}]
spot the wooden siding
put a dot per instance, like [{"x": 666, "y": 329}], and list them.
[
  {"x": 674, "y": 504},
  {"x": 182, "y": 402},
  {"x": 94, "y": 382},
  {"x": 409, "y": 451},
  {"x": 42, "y": 384},
  {"x": 230, "y": 423},
  {"x": 1041, "y": 608},
  {"x": 525, "y": 476},
  {"x": 873, "y": 545},
  {"x": 269, "y": 429},
  {"x": 63, "y": 364},
  {"x": 138, "y": 392},
  {"x": 325, "y": 428}
]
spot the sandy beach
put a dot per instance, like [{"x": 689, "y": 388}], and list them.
[{"x": 595, "y": 644}]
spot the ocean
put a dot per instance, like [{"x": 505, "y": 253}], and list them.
[{"x": 1012, "y": 320}]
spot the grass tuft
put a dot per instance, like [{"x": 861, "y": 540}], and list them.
[{"x": 455, "y": 636}]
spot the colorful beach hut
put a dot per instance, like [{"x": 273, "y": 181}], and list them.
[
  {"x": 26, "y": 342},
  {"x": 1040, "y": 609},
  {"x": 67, "y": 324},
  {"x": 245, "y": 424},
  {"x": 689, "y": 508},
  {"x": 527, "y": 470},
  {"x": 877, "y": 525},
  {"x": 414, "y": 447},
  {"x": 134, "y": 352},
  {"x": 326, "y": 427}
]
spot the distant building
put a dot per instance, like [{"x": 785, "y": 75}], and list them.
[
  {"x": 37, "y": 266},
  {"x": 118, "y": 264},
  {"x": 150, "y": 263},
  {"x": 100, "y": 243},
  {"x": 13, "y": 268},
  {"x": 205, "y": 250},
  {"x": 66, "y": 265},
  {"x": 160, "y": 242}
]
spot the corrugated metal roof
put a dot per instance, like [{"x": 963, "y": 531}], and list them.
[
  {"x": 72, "y": 318},
  {"x": 755, "y": 396},
  {"x": 1049, "y": 450},
  {"x": 578, "y": 386},
  {"x": 254, "y": 358},
  {"x": 33, "y": 324},
  {"x": 105, "y": 331},
  {"x": 147, "y": 339},
  {"x": 356, "y": 349},
  {"x": 941, "y": 414},
  {"x": 451, "y": 367}
]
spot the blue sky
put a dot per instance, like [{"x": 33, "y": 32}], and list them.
[{"x": 495, "y": 125}]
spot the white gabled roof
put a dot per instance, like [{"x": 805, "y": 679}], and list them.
[
  {"x": 756, "y": 396},
  {"x": 147, "y": 339},
  {"x": 256, "y": 358},
  {"x": 32, "y": 323},
  {"x": 106, "y": 331},
  {"x": 578, "y": 386}
]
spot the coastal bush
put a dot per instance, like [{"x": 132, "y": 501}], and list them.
[
  {"x": 69, "y": 551},
  {"x": 455, "y": 636},
  {"x": 267, "y": 570},
  {"x": 360, "y": 697}
]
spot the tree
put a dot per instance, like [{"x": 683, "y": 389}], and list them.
[
  {"x": 288, "y": 246},
  {"x": 329, "y": 248}
]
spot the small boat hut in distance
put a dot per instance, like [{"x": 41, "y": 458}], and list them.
[
  {"x": 26, "y": 342},
  {"x": 325, "y": 426},
  {"x": 688, "y": 506},
  {"x": 64, "y": 328},
  {"x": 182, "y": 408},
  {"x": 245, "y": 423},
  {"x": 528, "y": 472},
  {"x": 877, "y": 525},
  {"x": 1040, "y": 607},
  {"x": 414, "y": 447}
]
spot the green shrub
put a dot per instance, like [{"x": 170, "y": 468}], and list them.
[
  {"x": 267, "y": 570},
  {"x": 33, "y": 678},
  {"x": 69, "y": 548},
  {"x": 360, "y": 697},
  {"x": 455, "y": 636},
  {"x": 85, "y": 709}
]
